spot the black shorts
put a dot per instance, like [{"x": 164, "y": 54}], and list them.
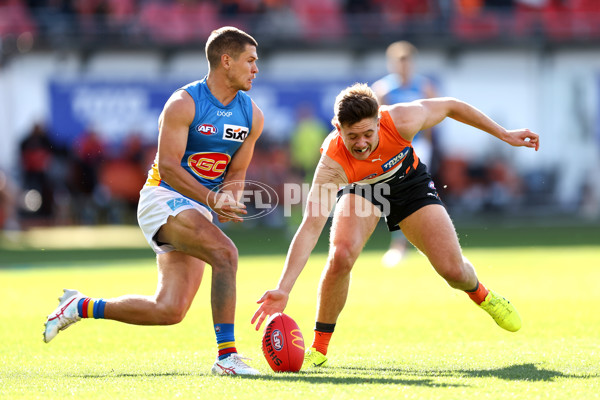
[{"x": 399, "y": 196}]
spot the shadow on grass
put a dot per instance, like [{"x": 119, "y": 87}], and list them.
[
  {"x": 322, "y": 377},
  {"x": 349, "y": 380},
  {"x": 378, "y": 376},
  {"x": 522, "y": 372}
]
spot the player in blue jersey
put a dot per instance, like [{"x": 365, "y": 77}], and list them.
[
  {"x": 207, "y": 133},
  {"x": 403, "y": 85}
]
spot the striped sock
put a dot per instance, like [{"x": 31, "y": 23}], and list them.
[
  {"x": 91, "y": 308},
  {"x": 323, "y": 334},
  {"x": 225, "y": 340},
  {"x": 479, "y": 294}
]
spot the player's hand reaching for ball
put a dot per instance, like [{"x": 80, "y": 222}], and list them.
[
  {"x": 273, "y": 301},
  {"x": 522, "y": 137}
]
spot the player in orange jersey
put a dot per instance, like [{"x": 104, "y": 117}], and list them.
[{"x": 370, "y": 156}]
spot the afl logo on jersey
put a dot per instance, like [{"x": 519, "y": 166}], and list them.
[
  {"x": 235, "y": 132},
  {"x": 207, "y": 129},
  {"x": 209, "y": 165}
]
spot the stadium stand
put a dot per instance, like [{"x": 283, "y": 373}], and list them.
[
  {"x": 180, "y": 22},
  {"x": 46, "y": 42}
]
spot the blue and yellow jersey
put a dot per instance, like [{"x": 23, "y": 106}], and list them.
[
  {"x": 396, "y": 92},
  {"x": 213, "y": 138}
]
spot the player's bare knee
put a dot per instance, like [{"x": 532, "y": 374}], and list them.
[
  {"x": 225, "y": 258},
  {"x": 172, "y": 312},
  {"x": 341, "y": 258},
  {"x": 456, "y": 275}
]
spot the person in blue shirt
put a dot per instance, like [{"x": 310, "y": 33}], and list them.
[
  {"x": 403, "y": 85},
  {"x": 207, "y": 133}
]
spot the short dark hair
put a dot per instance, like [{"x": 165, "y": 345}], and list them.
[
  {"x": 227, "y": 40},
  {"x": 354, "y": 104}
]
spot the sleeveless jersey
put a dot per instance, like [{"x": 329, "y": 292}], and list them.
[
  {"x": 213, "y": 138},
  {"x": 393, "y": 156}
]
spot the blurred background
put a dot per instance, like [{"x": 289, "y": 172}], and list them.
[{"x": 82, "y": 83}]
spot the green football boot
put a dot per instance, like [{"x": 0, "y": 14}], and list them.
[
  {"x": 313, "y": 359},
  {"x": 502, "y": 311}
]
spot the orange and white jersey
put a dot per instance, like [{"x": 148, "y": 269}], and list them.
[{"x": 393, "y": 155}]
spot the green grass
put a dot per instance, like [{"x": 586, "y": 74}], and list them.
[
  {"x": 403, "y": 334},
  {"x": 116, "y": 243}
]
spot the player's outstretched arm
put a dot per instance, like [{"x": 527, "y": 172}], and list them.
[
  {"x": 419, "y": 115},
  {"x": 274, "y": 301},
  {"x": 320, "y": 202},
  {"x": 468, "y": 114},
  {"x": 522, "y": 137}
]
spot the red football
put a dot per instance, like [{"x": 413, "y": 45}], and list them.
[{"x": 283, "y": 344}]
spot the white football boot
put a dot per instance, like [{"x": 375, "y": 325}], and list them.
[
  {"x": 233, "y": 365},
  {"x": 65, "y": 315}
]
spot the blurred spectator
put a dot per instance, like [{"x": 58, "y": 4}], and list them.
[
  {"x": 500, "y": 5},
  {"x": 407, "y": 7},
  {"x": 401, "y": 85},
  {"x": 277, "y": 16},
  {"x": 475, "y": 186},
  {"x": 454, "y": 176},
  {"x": 555, "y": 23},
  {"x": 504, "y": 186},
  {"x": 8, "y": 203},
  {"x": 552, "y": 18},
  {"x": 408, "y": 15},
  {"x": 271, "y": 166},
  {"x": 473, "y": 22},
  {"x": 491, "y": 186},
  {"x": 121, "y": 12},
  {"x": 178, "y": 21},
  {"x": 304, "y": 145},
  {"x": 306, "y": 140},
  {"x": 527, "y": 19},
  {"x": 15, "y": 18},
  {"x": 586, "y": 17},
  {"x": 229, "y": 8},
  {"x": 122, "y": 176},
  {"x": 37, "y": 153},
  {"x": 320, "y": 19},
  {"x": 363, "y": 17},
  {"x": 88, "y": 152},
  {"x": 187, "y": 21},
  {"x": 359, "y": 6},
  {"x": 53, "y": 17},
  {"x": 469, "y": 8}
]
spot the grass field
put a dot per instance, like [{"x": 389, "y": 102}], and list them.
[{"x": 403, "y": 333}]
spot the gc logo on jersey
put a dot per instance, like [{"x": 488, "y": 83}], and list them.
[
  {"x": 208, "y": 165},
  {"x": 235, "y": 132},
  {"x": 207, "y": 129}
]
